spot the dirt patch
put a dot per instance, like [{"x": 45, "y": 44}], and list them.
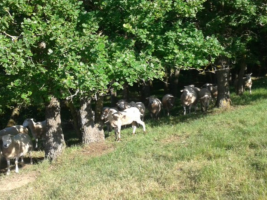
[
  {"x": 14, "y": 180},
  {"x": 11, "y": 182},
  {"x": 97, "y": 149},
  {"x": 175, "y": 138}
]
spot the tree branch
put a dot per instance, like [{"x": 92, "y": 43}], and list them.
[
  {"x": 14, "y": 38},
  {"x": 71, "y": 96}
]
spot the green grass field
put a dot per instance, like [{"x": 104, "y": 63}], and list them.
[{"x": 219, "y": 155}]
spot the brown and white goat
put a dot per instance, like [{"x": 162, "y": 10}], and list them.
[
  {"x": 37, "y": 129},
  {"x": 204, "y": 98},
  {"x": 168, "y": 103},
  {"x": 189, "y": 97},
  {"x": 129, "y": 116},
  {"x": 16, "y": 147},
  {"x": 154, "y": 107},
  {"x": 106, "y": 111},
  {"x": 213, "y": 90},
  {"x": 246, "y": 83}
]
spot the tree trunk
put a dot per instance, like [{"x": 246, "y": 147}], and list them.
[
  {"x": 223, "y": 99},
  {"x": 175, "y": 82},
  {"x": 125, "y": 91},
  {"x": 14, "y": 116},
  {"x": 91, "y": 132},
  {"x": 239, "y": 89},
  {"x": 113, "y": 97},
  {"x": 98, "y": 108},
  {"x": 75, "y": 119},
  {"x": 54, "y": 143},
  {"x": 166, "y": 82},
  {"x": 145, "y": 91}
]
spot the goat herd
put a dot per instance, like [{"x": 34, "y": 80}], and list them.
[
  {"x": 16, "y": 142},
  {"x": 131, "y": 113}
]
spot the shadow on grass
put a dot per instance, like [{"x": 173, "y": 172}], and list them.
[
  {"x": 259, "y": 92},
  {"x": 175, "y": 119}
]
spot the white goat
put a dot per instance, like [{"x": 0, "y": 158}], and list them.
[
  {"x": 129, "y": 116},
  {"x": 38, "y": 129},
  {"x": 247, "y": 82},
  {"x": 16, "y": 147}
]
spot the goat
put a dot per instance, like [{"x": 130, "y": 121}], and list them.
[
  {"x": 16, "y": 147},
  {"x": 141, "y": 107},
  {"x": 37, "y": 129},
  {"x": 204, "y": 98},
  {"x": 154, "y": 107},
  {"x": 189, "y": 97},
  {"x": 14, "y": 130},
  {"x": 106, "y": 111},
  {"x": 122, "y": 104},
  {"x": 129, "y": 116},
  {"x": 246, "y": 83},
  {"x": 213, "y": 90},
  {"x": 168, "y": 102}
]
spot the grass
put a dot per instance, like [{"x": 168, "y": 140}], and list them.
[{"x": 220, "y": 155}]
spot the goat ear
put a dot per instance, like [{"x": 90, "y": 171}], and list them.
[
  {"x": 116, "y": 115},
  {"x": 181, "y": 90}
]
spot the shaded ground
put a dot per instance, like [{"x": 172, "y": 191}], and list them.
[
  {"x": 14, "y": 180},
  {"x": 17, "y": 180}
]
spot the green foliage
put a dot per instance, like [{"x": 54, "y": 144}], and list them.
[
  {"x": 239, "y": 25},
  {"x": 76, "y": 56},
  {"x": 60, "y": 47},
  {"x": 163, "y": 29}
]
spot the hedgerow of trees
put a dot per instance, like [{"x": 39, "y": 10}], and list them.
[{"x": 53, "y": 50}]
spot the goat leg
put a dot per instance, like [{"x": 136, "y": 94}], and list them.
[
  {"x": 16, "y": 164},
  {"x": 8, "y": 166},
  {"x": 134, "y": 127}
]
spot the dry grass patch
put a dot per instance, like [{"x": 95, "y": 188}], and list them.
[
  {"x": 97, "y": 149},
  {"x": 175, "y": 139},
  {"x": 17, "y": 180}
]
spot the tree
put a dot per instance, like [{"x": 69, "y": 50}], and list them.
[
  {"x": 55, "y": 143},
  {"x": 52, "y": 50},
  {"x": 222, "y": 74},
  {"x": 161, "y": 31},
  {"x": 240, "y": 26},
  {"x": 91, "y": 132}
]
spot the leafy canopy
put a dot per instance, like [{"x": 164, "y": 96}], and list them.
[{"x": 58, "y": 47}]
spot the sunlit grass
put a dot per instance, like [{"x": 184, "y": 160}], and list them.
[{"x": 219, "y": 155}]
